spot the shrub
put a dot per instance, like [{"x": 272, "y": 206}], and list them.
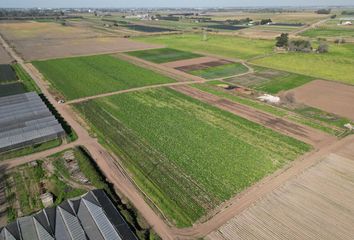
[
  {"x": 323, "y": 47},
  {"x": 300, "y": 46}
]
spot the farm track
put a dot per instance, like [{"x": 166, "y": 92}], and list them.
[
  {"x": 110, "y": 166},
  {"x": 314, "y": 25},
  {"x": 300, "y": 132}
]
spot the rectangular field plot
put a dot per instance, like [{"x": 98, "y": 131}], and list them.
[
  {"x": 226, "y": 27},
  {"x": 148, "y": 29},
  {"x": 87, "y": 76},
  {"x": 11, "y": 89},
  {"x": 270, "y": 81},
  {"x": 47, "y": 40},
  {"x": 7, "y": 74},
  {"x": 186, "y": 155},
  {"x": 221, "y": 71},
  {"x": 163, "y": 55},
  {"x": 228, "y": 46}
]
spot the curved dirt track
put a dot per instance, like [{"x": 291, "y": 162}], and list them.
[{"x": 110, "y": 166}]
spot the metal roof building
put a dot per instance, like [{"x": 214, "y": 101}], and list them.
[
  {"x": 25, "y": 120},
  {"x": 92, "y": 216}
]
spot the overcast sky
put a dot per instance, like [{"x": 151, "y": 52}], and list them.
[{"x": 167, "y": 3}]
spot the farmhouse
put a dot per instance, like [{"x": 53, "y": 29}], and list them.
[
  {"x": 25, "y": 121},
  {"x": 91, "y": 216}
]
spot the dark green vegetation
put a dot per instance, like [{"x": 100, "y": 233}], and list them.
[
  {"x": 270, "y": 81},
  {"x": 18, "y": 81},
  {"x": 228, "y": 46},
  {"x": 87, "y": 76},
  {"x": 226, "y": 27},
  {"x": 148, "y": 29},
  {"x": 11, "y": 89},
  {"x": 309, "y": 116},
  {"x": 30, "y": 150},
  {"x": 186, "y": 155},
  {"x": 163, "y": 55},
  {"x": 7, "y": 74},
  {"x": 222, "y": 71}
]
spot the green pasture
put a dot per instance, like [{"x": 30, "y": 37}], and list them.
[
  {"x": 228, "y": 46},
  {"x": 87, "y": 76}
]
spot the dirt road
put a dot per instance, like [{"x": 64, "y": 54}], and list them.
[
  {"x": 309, "y": 135},
  {"x": 314, "y": 25}
]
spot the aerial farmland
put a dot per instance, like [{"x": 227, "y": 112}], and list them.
[{"x": 197, "y": 124}]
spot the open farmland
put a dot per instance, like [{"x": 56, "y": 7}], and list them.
[
  {"x": 87, "y": 76},
  {"x": 270, "y": 81},
  {"x": 186, "y": 155},
  {"x": 329, "y": 96},
  {"x": 221, "y": 71},
  {"x": 163, "y": 55},
  {"x": 330, "y": 29},
  {"x": 337, "y": 64},
  {"x": 316, "y": 204},
  {"x": 228, "y": 46},
  {"x": 44, "y": 40}
]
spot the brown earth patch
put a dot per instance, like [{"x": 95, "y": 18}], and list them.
[
  {"x": 329, "y": 96},
  {"x": 35, "y": 40},
  {"x": 187, "y": 62},
  {"x": 4, "y": 56},
  {"x": 204, "y": 65}
]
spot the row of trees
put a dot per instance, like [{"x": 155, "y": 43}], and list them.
[{"x": 300, "y": 45}]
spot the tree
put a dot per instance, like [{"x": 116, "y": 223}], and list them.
[
  {"x": 323, "y": 11},
  {"x": 282, "y": 40},
  {"x": 300, "y": 46},
  {"x": 265, "y": 21}
]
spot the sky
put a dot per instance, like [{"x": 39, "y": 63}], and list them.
[{"x": 166, "y": 3}]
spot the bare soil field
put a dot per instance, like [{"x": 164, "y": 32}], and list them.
[
  {"x": 329, "y": 96},
  {"x": 35, "y": 41},
  {"x": 300, "y": 132},
  {"x": 317, "y": 204},
  {"x": 4, "y": 56},
  {"x": 187, "y": 62}
]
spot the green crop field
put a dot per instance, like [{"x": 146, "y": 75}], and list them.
[
  {"x": 270, "y": 81},
  {"x": 87, "y": 76},
  {"x": 163, "y": 55},
  {"x": 186, "y": 155},
  {"x": 329, "y": 32},
  {"x": 228, "y": 46},
  {"x": 337, "y": 64},
  {"x": 222, "y": 71}
]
